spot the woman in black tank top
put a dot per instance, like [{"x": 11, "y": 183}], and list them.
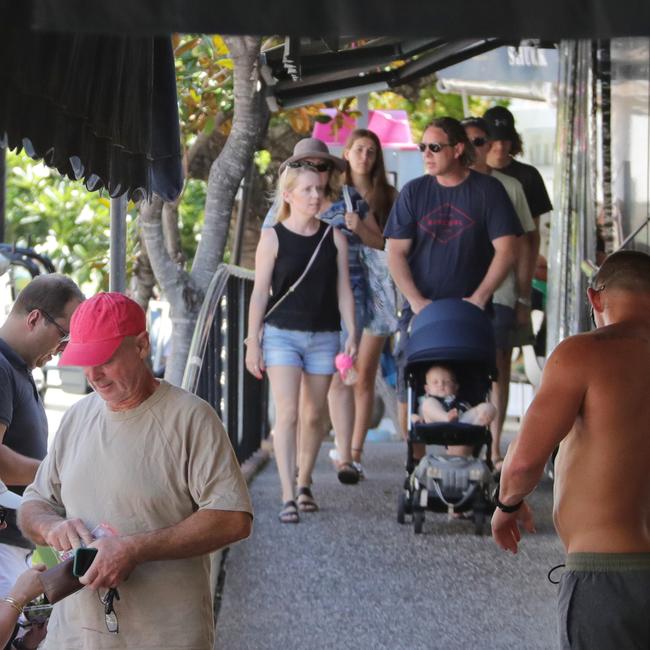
[{"x": 299, "y": 339}]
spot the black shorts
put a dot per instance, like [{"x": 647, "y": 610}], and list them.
[
  {"x": 503, "y": 322},
  {"x": 604, "y": 601}
]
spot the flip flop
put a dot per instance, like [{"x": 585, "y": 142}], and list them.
[
  {"x": 348, "y": 474},
  {"x": 289, "y": 513},
  {"x": 307, "y": 503}
]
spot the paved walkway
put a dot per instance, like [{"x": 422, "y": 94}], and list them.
[{"x": 351, "y": 577}]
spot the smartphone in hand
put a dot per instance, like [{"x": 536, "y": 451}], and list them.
[{"x": 83, "y": 558}]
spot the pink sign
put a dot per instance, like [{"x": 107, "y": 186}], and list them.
[{"x": 392, "y": 128}]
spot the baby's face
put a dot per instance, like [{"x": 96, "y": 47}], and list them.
[{"x": 440, "y": 383}]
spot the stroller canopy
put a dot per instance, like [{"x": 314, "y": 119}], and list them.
[{"x": 452, "y": 330}]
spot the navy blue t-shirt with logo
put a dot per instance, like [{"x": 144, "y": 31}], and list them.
[{"x": 452, "y": 229}]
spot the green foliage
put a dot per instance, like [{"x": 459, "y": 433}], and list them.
[
  {"x": 204, "y": 82},
  {"x": 191, "y": 212},
  {"x": 61, "y": 219}
]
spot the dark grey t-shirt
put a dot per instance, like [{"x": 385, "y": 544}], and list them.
[{"x": 23, "y": 413}]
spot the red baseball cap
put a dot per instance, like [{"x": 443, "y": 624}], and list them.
[{"x": 98, "y": 326}]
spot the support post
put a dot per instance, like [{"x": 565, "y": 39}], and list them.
[{"x": 117, "y": 277}]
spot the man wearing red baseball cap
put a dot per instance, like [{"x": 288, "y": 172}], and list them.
[{"x": 154, "y": 463}]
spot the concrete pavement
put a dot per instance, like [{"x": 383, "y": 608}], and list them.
[{"x": 351, "y": 577}]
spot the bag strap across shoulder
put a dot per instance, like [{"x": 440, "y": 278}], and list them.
[{"x": 293, "y": 287}]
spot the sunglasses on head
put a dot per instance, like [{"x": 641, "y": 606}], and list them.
[
  {"x": 478, "y": 142},
  {"x": 434, "y": 147},
  {"x": 319, "y": 167}
]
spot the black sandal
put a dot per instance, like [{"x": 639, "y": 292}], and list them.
[
  {"x": 307, "y": 503},
  {"x": 348, "y": 474},
  {"x": 289, "y": 513}
]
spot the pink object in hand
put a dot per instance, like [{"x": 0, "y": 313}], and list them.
[{"x": 345, "y": 365}]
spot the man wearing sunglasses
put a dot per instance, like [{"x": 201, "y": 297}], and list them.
[
  {"x": 36, "y": 329},
  {"x": 508, "y": 309},
  {"x": 593, "y": 403},
  {"x": 451, "y": 234}
]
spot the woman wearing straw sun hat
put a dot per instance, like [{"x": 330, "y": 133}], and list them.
[{"x": 300, "y": 295}]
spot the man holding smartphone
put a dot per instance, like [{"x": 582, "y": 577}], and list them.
[
  {"x": 593, "y": 403},
  {"x": 152, "y": 461}
]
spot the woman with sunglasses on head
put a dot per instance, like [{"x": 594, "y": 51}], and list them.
[
  {"x": 24, "y": 590},
  {"x": 301, "y": 291},
  {"x": 314, "y": 153},
  {"x": 372, "y": 198}
]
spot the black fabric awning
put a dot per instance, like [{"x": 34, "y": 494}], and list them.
[
  {"x": 88, "y": 85},
  {"x": 99, "y": 108},
  {"x": 448, "y": 19}
]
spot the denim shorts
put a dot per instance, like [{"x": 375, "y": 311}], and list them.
[{"x": 314, "y": 352}]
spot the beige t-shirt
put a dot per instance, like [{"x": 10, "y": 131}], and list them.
[
  {"x": 140, "y": 470},
  {"x": 507, "y": 293}
]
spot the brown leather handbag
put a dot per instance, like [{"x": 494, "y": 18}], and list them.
[{"x": 59, "y": 581}]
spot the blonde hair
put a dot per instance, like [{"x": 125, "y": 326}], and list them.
[{"x": 288, "y": 180}]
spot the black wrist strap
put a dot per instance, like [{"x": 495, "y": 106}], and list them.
[{"x": 507, "y": 509}]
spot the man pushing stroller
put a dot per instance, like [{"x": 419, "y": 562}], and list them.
[{"x": 451, "y": 234}]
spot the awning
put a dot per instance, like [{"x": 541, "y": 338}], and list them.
[
  {"x": 304, "y": 71},
  {"x": 96, "y": 107},
  {"x": 459, "y": 19}
]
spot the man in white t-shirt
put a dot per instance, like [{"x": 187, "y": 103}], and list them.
[
  {"x": 154, "y": 463},
  {"x": 512, "y": 297}
]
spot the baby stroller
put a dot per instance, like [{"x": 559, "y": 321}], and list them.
[{"x": 458, "y": 335}]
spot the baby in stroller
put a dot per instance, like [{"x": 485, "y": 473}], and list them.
[
  {"x": 440, "y": 403},
  {"x": 448, "y": 371}
]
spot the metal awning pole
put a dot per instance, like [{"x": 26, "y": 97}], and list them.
[{"x": 117, "y": 278}]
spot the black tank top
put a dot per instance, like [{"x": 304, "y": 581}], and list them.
[{"x": 313, "y": 306}]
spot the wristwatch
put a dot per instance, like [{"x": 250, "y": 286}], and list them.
[
  {"x": 502, "y": 506},
  {"x": 524, "y": 301}
]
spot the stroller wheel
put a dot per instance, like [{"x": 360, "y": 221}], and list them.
[
  {"x": 418, "y": 521},
  {"x": 401, "y": 507}
]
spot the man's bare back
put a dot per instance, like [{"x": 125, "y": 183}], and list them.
[
  {"x": 602, "y": 491},
  {"x": 593, "y": 401}
]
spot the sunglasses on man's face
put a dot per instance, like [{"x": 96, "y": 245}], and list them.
[
  {"x": 434, "y": 147},
  {"x": 479, "y": 142},
  {"x": 319, "y": 167}
]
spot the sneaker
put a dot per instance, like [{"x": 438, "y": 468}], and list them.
[
  {"x": 334, "y": 455},
  {"x": 359, "y": 468}
]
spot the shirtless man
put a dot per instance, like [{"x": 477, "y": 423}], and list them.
[{"x": 594, "y": 400}]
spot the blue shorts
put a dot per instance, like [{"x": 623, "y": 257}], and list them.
[{"x": 314, "y": 352}]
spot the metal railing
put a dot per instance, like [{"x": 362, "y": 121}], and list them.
[{"x": 215, "y": 368}]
